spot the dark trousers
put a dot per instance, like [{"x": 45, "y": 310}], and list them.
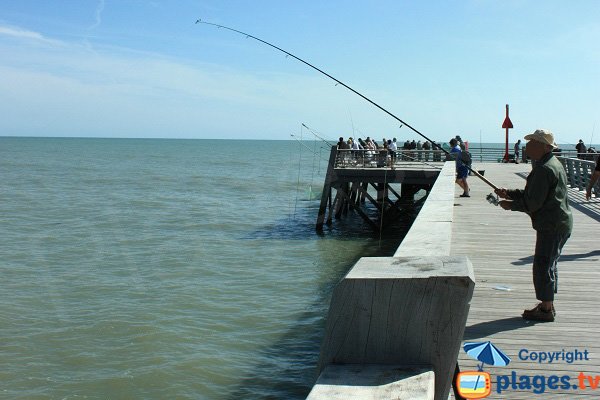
[{"x": 548, "y": 247}]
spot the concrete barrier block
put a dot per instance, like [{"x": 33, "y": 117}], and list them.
[
  {"x": 401, "y": 311},
  {"x": 374, "y": 382}
]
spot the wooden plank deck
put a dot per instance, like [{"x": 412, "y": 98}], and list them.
[{"x": 500, "y": 245}]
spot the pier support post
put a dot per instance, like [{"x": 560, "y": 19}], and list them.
[
  {"x": 407, "y": 193},
  {"x": 351, "y": 183},
  {"x": 326, "y": 195}
]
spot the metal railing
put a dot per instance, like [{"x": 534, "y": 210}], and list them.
[
  {"x": 579, "y": 172},
  {"x": 365, "y": 158},
  {"x": 380, "y": 158},
  {"x": 490, "y": 154},
  {"x": 495, "y": 154}
]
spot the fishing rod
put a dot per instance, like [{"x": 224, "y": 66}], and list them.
[
  {"x": 287, "y": 53},
  {"x": 308, "y": 148},
  {"x": 326, "y": 141},
  {"x": 351, "y": 122}
]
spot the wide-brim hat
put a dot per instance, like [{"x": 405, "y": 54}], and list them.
[{"x": 542, "y": 136}]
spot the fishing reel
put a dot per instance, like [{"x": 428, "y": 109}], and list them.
[{"x": 493, "y": 199}]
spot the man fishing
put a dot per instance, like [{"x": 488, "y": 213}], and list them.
[{"x": 545, "y": 200}]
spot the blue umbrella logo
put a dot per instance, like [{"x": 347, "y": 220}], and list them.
[{"x": 487, "y": 353}]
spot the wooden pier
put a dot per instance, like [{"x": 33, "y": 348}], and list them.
[
  {"x": 500, "y": 245},
  {"x": 393, "y": 184}
]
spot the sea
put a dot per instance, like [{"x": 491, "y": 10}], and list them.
[{"x": 168, "y": 269}]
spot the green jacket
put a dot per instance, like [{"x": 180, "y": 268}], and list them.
[{"x": 545, "y": 197}]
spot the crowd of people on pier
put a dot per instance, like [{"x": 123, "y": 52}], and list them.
[{"x": 390, "y": 149}]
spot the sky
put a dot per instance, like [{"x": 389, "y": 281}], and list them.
[{"x": 145, "y": 69}]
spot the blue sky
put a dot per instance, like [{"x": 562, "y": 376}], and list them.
[{"x": 135, "y": 68}]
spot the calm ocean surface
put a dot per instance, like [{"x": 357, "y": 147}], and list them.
[{"x": 167, "y": 269}]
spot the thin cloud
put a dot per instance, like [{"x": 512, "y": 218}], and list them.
[
  {"x": 73, "y": 90},
  {"x": 98, "y": 15},
  {"x": 26, "y": 35}
]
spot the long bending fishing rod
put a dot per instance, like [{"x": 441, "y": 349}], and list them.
[
  {"x": 317, "y": 136},
  {"x": 199, "y": 21},
  {"x": 308, "y": 148}
]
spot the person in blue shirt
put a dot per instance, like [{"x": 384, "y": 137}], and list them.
[{"x": 461, "y": 169}]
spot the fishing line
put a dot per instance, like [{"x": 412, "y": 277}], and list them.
[
  {"x": 199, "y": 21},
  {"x": 306, "y": 147},
  {"x": 312, "y": 172},
  {"x": 299, "y": 168},
  {"x": 327, "y": 141},
  {"x": 361, "y": 133},
  {"x": 352, "y": 122},
  {"x": 320, "y": 158},
  {"x": 290, "y": 198},
  {"x": 384, "y": 196},
  {"x": 314, "y": 153}
]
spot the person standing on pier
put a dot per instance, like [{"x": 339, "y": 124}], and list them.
[
  {"x": 462, "y": 145},
  {"x": 426, "y": 147},
  {"x": 461, "y": 169},
  {"x": 581, "y": 149},
  {"x": 593, "y": 180},
  {"x": 517, "y": 151},
  {"x": 344, "y": 153},
  {"x": 545, "y": 200}
]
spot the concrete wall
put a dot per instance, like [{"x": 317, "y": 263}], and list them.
[
  {"x": 406, "y": 311},
  {"x": 431, "y": 232}
]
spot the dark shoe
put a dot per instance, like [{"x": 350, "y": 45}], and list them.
[
  {"x": 465, "y": 195},
  {"x": 539, "y": 314},
  {"x": 539, "y": 307}
]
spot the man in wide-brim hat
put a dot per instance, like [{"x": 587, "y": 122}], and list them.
[{"x": 545, "y": 200}]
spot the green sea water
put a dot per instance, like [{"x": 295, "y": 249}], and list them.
[{"x": 167, "y": 269}]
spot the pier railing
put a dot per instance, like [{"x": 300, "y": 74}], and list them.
[
  {"x": 364, "y": 158},
  {"x": 579, "y": 173},
  {"x": 493, "y": 154}
]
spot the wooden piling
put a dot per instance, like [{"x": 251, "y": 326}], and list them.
[{"x": 351, "y": 180}]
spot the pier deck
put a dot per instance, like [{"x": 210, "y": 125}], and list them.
[{"x": 500, "y": 245}]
